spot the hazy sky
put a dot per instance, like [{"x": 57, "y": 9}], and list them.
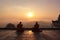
[{"x": 14, "y": 10}]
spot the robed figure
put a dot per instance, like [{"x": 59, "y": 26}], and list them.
[
  {"x": 36, "y": 28},
  {"x": 20, "y": 27}
]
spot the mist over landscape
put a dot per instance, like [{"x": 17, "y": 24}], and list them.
[
  {"x": 29, "y": 19},
  {"x": 29, "y": 24}
]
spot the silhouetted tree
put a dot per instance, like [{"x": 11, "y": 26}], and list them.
[
  {"x": 10, "y": 25},
  {"x": 59, "y": 18},
  {"x": 57, "y": 22}
]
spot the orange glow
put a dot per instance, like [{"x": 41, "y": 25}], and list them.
[
  {"x": 29, "y": 14},
  {"x": 30, "y": 32}
]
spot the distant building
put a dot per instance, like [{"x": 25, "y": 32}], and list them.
[
  {"x": 10, "y": 25},
  {"x": 57, "y": 22}
]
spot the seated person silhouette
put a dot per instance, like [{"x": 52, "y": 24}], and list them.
[
  {"x": 20, "y": 27},
  {"x": 36, "y": 25},
  {"x": 36, "y": 28}
]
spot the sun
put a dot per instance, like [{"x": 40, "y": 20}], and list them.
[{"x": 30, "y": 14}]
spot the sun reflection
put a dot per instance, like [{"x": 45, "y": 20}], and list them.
[
  {"x": 27, "y": 35},
  {"x": 30, "y": 32}
]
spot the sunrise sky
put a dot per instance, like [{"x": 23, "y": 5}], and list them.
[{"x": 17, "y": 10}]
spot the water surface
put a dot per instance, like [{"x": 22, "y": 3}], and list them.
[{"x": 29, "y": 35}]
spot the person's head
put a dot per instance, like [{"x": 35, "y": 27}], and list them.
[
  {"x": 20, "y": 22},
  {"x": 36, "y": 22}
]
